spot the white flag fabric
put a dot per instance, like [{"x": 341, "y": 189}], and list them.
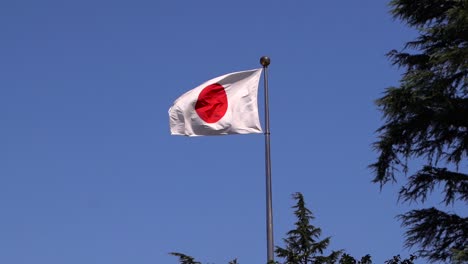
[{"x": 224, "y": 105}]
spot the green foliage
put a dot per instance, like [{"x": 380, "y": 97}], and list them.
[
  {"x": 347, "y": 259},
  {"x": 184, "y": 259},
  {"x": 397, "y": 260},
  {"x": 432, "y": 228},
  {"x": 302, "y": 244},
  {"x": 460, "y": 256},
  {"x": 426, "y": 117}
]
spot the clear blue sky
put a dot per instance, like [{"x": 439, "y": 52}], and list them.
[{"x": 89, "y": 172}]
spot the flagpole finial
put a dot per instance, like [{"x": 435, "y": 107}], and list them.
[{"x": 265, "y": 61}]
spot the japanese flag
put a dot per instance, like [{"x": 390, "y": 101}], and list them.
[{"x": 224, "y": 105}]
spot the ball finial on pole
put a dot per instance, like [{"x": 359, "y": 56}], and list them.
[{"x": 265, "y": 61}]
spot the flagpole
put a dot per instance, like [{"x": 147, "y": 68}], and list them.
[{"x": 265, "y": 61}]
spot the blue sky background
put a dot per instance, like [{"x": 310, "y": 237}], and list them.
[{"x": 89, "y": 172}]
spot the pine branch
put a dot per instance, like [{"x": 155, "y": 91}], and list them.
[
  {"x": 397, "y": 260},
  {"x": 184, "y": 259},
  {"x": 422, "y": 184},
  {"x": 436, "y": 232},
  {"x": 421, "y": 12}
]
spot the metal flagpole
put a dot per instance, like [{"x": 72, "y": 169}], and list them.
[{"x": 265, "y": 61}]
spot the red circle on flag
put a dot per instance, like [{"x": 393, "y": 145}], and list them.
[{"x": 212, "y": 103}]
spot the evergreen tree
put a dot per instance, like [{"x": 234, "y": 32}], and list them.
[
  {"x": 348, "y": 259},
  {"x": 303, "y": 246},
  {"x": 185, "y": 259},
  {"x": 302, "y": 243},
  {"x": 397, "y": 260},
  {"x": 426, "y": 118}
]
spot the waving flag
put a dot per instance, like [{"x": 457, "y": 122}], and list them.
[{"x": 224, "y": 105}]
